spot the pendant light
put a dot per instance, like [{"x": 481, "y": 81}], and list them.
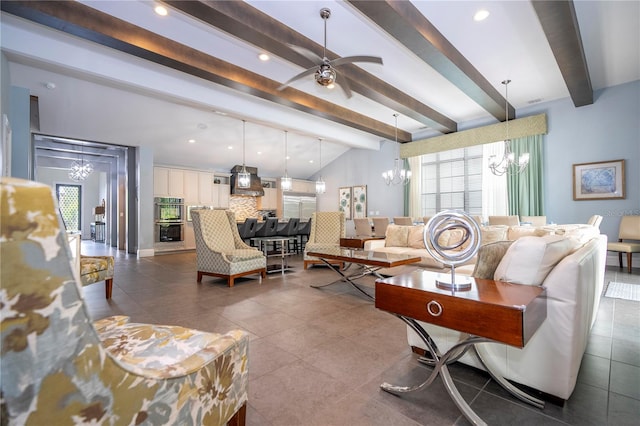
[
  {"x": 507, "y": 164},
  {"x": 321, "y": 187},
  {"x": 80, "y": 169},
  {"x": 285, "y": 181},
  {"x": 398, "y": 174},
  {"x": 244, "y": 178}
]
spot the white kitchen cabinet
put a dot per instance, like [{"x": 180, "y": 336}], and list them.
[
  {"x": 176, "y": 183},
  {"x": 160, "y": 181},
  {"x": 270, "y": 199},
  {"x": 189, "y": 237},
  {"x": 303, "y": 186},
  {"x": 205, "y": 188},
  {"x": 224, "y": 193},
  {"x": 191, "y": 185}
]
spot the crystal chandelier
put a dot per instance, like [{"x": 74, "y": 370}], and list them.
[
  {"x": 397, "y": 175},
  {"x": 507, "y": 164},
  {"x": 80, "y": 169},
  {"x": 321, "y": 187},
  {"x": 285, "y": 181},
  {"x": 244, "y": 178}
]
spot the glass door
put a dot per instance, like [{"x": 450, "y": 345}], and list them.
[{"x": 69, "y": 202}]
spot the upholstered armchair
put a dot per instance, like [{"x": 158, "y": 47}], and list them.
[
  {"x": 60, "y": 369},
  {"x": 94, "y": 269},
  {"x": 326, "y": 230},
  {"x": 220, "y": 252},
  {"x": 628, "y": 239}
]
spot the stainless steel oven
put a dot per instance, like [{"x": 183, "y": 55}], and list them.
[
  {"x": 169, "y": 219},
  {"x": 169, "y": 232},
  {"x": 169, "y": 209}
]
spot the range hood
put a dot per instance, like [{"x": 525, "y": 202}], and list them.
[{"x": 255, "y": 186}]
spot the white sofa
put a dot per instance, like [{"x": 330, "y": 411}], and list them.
[{"x": 551, "y": 359}]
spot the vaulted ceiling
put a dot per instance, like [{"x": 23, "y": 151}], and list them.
[{"x": 123, "y": 74}]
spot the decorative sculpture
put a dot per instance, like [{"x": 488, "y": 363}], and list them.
[{"x": 455, "y": 251}]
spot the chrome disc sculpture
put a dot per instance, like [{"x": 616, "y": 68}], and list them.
[{"x": 457, "y": 252}]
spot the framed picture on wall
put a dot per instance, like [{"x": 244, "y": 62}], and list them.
[
  {"x": 359, "y": 201},
  {"x": 344, "y": 200},
  {"x": 603, "y": 180}
]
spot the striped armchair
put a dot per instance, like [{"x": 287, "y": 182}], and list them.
[
  {"x": 59, "y": 368},
  {"x": 220, "y": 252},
  {"x": 326, "y": 230}
]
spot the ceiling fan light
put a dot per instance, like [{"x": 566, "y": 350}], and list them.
[{"x": 325, "y": 75}]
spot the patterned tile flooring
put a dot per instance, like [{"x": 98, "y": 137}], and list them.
[{"x": 318, "y": 356}]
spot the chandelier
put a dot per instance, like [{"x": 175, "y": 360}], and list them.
[
  {"x": 285, "y": 181},
  {"x": 80, "y": 169},
  {"x": 507, "y": 164},
  {"x": 397, "y": 175},
  {"x": 321, "y": 187},
  {"x": 244, "y": 178}
]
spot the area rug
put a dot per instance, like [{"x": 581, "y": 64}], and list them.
[{"x": 623, "y": 291}]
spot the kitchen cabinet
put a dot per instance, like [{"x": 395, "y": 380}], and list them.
[
  {"x": 270, "y": 199},
  {"x": 224, "y": 193},
  {"x": 176, "y": 183},
  {"x": 303, "y": 186},
  {"x": 205, "y": 188},
  {"x": 189, "y": 237},
  {"x": 191, "y": 185},
  {"x": 160, "y": 181}
]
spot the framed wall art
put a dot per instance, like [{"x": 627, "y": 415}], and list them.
[
  {"x": 603, "y": 180},
  {"x": 344, "y": 199},
  {"x": 359, "y": 201}
]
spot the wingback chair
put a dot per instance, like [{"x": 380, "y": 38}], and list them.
[
  {"x": 326, "y": 230},
  {"x": 220, "y": 252},
  {"x": 59, "y": 368}
]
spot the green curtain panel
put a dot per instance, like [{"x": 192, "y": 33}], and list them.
[
  {"x": 407, "y": 190},
  {"x": 526, "y": 190}
]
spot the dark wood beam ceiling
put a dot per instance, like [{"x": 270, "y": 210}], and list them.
[
  {"x": 255, "y": 27},
  {"x": 560, "y": 25},
  {"x": 403, "y": 21},
  {"x": 87, "y": 23}
]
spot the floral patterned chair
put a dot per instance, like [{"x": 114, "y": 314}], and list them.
[
  {"x": 220, "y": 252},
  {"x": 57, "y": 368},
  {"x": 326, "y": 230},
  {"x": 94, "y": 269}
]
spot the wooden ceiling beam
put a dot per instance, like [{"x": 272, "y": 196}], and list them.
[
  {"x": 90, "y": 24},
  {"x": 560, "y": 26},
  {"x": 259, "y": 29},
  {"x": 403, "y": 21}
]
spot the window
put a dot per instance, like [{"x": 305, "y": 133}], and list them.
[{"x": 452, "y": 180}]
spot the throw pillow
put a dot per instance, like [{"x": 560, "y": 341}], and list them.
[
  {"x": 396, "y": 236},
  {"x": 493, "y": 233},
  {"x": 489, "y": 257},
  {"x": 415, "y": 237},
  {"x": 530, "y": 259}
]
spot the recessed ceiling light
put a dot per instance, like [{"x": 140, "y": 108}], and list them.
[
  {"x": 161, "y": 10},
  {"x": 229, "y": 147},
  {"x": 263, "y": 57},
  {"x": 481, "y": 15},
  {"x": 310, "y": 161},
  {"x": 259, "y": 152},
  {"x": 288, "y": 158},
  {"x": 191, "y": 141},
  {"x": 49, "y": 85}
]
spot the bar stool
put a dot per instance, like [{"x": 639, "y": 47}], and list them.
[{"x": 290, "y": 229}]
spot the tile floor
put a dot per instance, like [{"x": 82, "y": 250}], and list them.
[{"x": 318, "y": 356}]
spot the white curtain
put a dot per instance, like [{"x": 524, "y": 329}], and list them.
[
  {"x": 494, "y": 188},
  {"x": 415, "y": 199}
]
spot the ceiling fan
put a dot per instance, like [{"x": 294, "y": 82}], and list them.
[{"x": 325, "y": 72}]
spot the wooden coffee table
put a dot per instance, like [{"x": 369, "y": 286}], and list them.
[
  {"x": 356, "y": 242},
  {"x": 490, "y": 311},
  {"x": 370, "y": 261}
]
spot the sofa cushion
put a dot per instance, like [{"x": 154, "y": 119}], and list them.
[
  {"x": 397, "y": 236},
  {"x": 529, "y": 259},
  {"x": 518, "y": 231},
  {"x": 491, "y": 234},
  {"x": 415, "y": 238}
]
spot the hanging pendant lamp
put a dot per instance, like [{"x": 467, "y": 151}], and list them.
[
  {"x": 285, "y": 181},
  {"x": 398, "y": 175},
  {"x": 244, "y": 178},
  {"x": 321, "y": 187},
  {"x": 507, "y": 164}
]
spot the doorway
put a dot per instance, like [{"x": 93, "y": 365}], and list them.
[{"x": 69, "y": 202}]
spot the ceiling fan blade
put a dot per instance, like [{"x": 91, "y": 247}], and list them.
[
  {"x": 350, "y": 59},
  {"x": 295, "y": 77},
  {"x": 306, "y": 53}
]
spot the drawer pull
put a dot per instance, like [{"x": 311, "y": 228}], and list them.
[{"x": 434, "y": 308}]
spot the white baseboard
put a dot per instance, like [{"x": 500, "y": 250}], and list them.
[{"x": 146, "y": 253}]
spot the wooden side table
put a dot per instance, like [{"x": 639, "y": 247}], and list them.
[{"x": 490, "y": 311}]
